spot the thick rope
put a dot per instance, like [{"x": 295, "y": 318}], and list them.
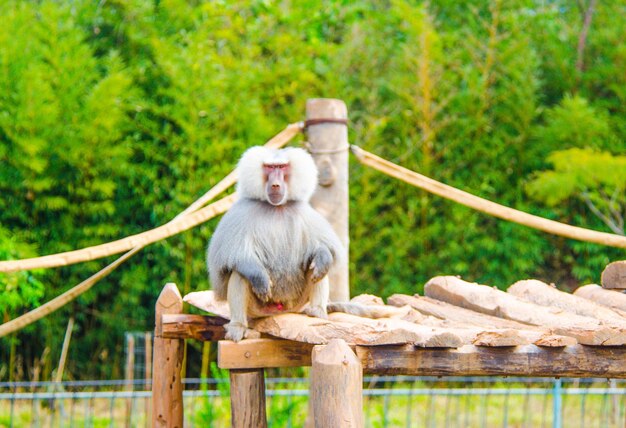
[
  {"x": 125, "y": 244},
  {"x": 209, "y": 212},
  {"x": 144, "y": 238},
  {"x": 485, "y": 206},
  {"x": 191, "y": 220}
]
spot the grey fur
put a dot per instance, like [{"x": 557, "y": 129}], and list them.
[{"x": 280, "y": 250}]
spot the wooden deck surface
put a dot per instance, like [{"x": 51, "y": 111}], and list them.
[{"x": 457, "y": 328}]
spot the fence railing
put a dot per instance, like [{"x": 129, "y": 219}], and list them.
[{"x": 389, "y": 401}]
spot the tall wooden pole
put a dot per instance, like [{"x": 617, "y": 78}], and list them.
[
  {"x": 336, "y": 386},
  {"x": 167, "y": 387},
  {"x": 328, "y": 143}
]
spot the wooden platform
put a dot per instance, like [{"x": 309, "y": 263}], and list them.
[{"x": 458, "y": 328}]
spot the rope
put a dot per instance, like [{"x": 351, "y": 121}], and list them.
[
  {"x": 321, "y": 120},
  {"x": 139, "y": 240},
  {"x": 341, "y": 149},
  {"x": 191, "y": 220},
  {"x": 485, "y": 206},
  {"x": 207, "y": 213},
  {"x": 144, "y": 238}
]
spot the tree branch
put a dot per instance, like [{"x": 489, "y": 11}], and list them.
[
  {"x": 582, "y": 39},
  {"x": 607, "y": 220},
  {"x": 616, "y": 209}
]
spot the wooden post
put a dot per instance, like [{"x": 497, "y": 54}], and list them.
[
  {"x": 66, "y": 345},
  {"x": 130, "y": 377},
  {"x": 336, "y": 386},
  {"x": 328, "y": 144},
  {"x": 167, "y": 387},
  {"x": 247, "y": 398},
  {"x": 148, "y": 373}
]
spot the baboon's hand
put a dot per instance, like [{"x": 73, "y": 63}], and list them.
[
  {"x": 320, "y": 264},
  {"x": 258, "y": 278},
  {"x": 262, "y": 289}
]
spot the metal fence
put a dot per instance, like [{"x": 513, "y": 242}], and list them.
[{"x": 396, "y": 401}]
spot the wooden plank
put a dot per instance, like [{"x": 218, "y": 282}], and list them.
[
  {"x": 247, "y": 398},
  {"x": 468, "y": 360},
  {"x": 438, "y": 333},
  {"x": 328, "y": 144},
  {"x": 427, "y": 334},
  {"x": 447, "y": 311},
  {"x": 258, "y": 353},
  {"x": 540, "y": 293},
  {"x": 206, "y": 301},
  {"x": 336, "y": 386},
  {"x": 358, "y": 330},
  {"x": 395, "y": 331},
  {"x": 491, "y": 301},
  {"x": 167, "y": 387},
  {"x": 199, "y": 327},
  {"x": 614, "y": 275},
  {"x": 529, "y": 360},
  {"x": 614, "y": 299},
  {"x": 487, "y": 330},
  {"x": 302, "y": 328}
]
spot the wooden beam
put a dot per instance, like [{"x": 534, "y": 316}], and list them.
[
  {"x": 614, "y": 275},
  {"x": 258, "y": 353},
  {"x": 247, "y": 398},
  {"x": 328, "y": 144},
  {"x": 167, "y": 387},
  {"x": 336, "y": 386},
  {"x": 469, "y": 360},
  {"x": 529, "y": 360},
  {"x": 199, "y": 327}
]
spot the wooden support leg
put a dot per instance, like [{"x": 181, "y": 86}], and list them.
[
  {"x": 247, "y": 398},
  {"x": 336, "y": 386},
  {"x": 167, "y": 387}
]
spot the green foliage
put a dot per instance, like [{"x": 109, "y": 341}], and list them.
[
  {"x": 577, "y": 171},
  {"x": 597, "y": 178},
  {"x": 574, "y": 123},
  {"x": 214, "y": 413},
  {"x": 114, "y": 116},
  {"x": 18, "y": 289}
]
